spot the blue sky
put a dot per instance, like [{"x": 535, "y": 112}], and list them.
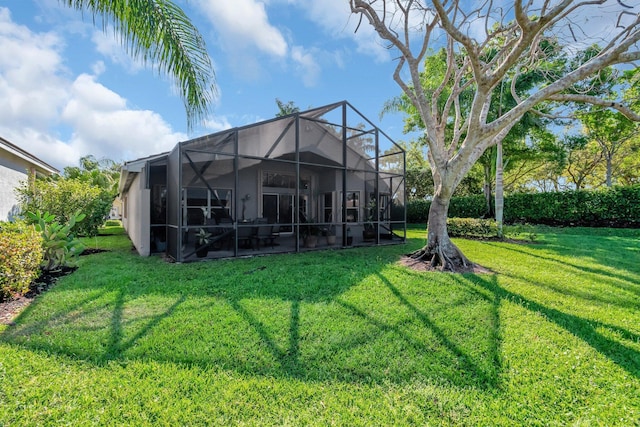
[{"x": 68, "y": 89}]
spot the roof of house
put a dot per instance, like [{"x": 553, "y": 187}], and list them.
[
  {"x": 40, "y": 165},
  {"x": 132, "y": 168}
]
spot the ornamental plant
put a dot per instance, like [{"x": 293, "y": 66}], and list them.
[
  {"x": 61, "y": 247},
  {"x": 20, "y": 258}
]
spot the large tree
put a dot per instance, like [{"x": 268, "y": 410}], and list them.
[
  {"x": 516, "y": 35},
  {"x": 160, "y": 33}
]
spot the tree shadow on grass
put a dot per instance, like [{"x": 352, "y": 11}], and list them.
[
  {"x": 615, "y": 277},
  {"x": 587, "y": 330},
  {"x": 304, "y": 327}
]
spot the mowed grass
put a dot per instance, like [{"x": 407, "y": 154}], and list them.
[{"x": 343, "y": 337}]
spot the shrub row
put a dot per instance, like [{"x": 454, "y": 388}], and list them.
[
  {"x": 612, "y": 207},
  {"x": 20, "y": 258},
  {"x": 460, "y": 207},
  {"x": 471, "y": 227}
]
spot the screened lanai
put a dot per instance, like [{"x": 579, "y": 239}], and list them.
[{"x": 326, "y": 177}]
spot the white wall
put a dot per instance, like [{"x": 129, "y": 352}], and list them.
[
  {"x": 12, "y": 171},
  {"x": 136, "y": 216}
]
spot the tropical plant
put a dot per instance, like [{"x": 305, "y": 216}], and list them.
[
  {"x": 203, "y": 237},
  {"x": 61, "y": 248},
  {"x": 160, "y": 33}
]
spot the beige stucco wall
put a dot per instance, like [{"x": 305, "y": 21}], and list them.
[{"x": 136, "y": 215}]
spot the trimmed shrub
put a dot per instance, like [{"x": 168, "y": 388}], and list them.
[
  {"x": 468, "y": 207},
  {"x": 471, "y": 227},
  {"x": 611, "y": 207},
  {"x": 460, "y": 207},
  {"x": 418, "y": 211},
  {"x": 20, "y": 258}
]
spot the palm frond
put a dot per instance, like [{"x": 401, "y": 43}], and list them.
[{"x": 159, "y": 33}]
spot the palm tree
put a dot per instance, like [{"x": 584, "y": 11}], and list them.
[{"x": 160, "y": 33}]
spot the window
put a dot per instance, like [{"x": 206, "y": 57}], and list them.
[
  {"x": 282, "y": 180},
  {"x": 204, "y": 204},
  {"x": 328, "y": 207},
  {"x": 353, "y": 206}
]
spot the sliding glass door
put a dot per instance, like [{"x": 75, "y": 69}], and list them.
[{"x": 278, "y": 209}]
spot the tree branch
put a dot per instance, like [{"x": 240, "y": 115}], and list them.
[{"x": 587, "y": 99}]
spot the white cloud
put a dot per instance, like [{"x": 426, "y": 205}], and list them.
[
  {"x": 105, "y": 127},
  {"x": 32, "y": 83},
  {"x": 244, "y": 24},
  {"x": 41, "y": 100},
  {"x": 217, "y": 124},
  {"x": 336, "y": 20},
  {"x": 306, "y": 65},
  {"x": 109, "y": 44}
]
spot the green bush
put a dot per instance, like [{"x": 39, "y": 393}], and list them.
[
  {"x": 418, "y": 211},
  {"x": 64, "y": 197},
  {"x": 20, "y": 258},
  {"x": 611, "y": 207},
  {"x": 468, "y": 207},
  {"x": 460, "y": 207},
  {"x": 61, "y": 248},
  {"x": 113, "y": 223},
  {"x": 471, "y": 227}
]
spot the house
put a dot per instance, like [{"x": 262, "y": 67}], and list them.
[
  {"x": 16, "y": 165},
  {"x": 269, "y": 187}
]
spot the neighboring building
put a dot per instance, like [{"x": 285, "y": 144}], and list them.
[
  {"x": 116, "y": 209},
  {"x": 16, "y": 165},
  {"x": 264, "y": 187}
]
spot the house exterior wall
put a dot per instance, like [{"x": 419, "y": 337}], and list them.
[
  {"x": 13, "y": 170},
  {"x": 136, "y": 215}
]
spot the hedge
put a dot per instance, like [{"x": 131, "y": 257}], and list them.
[
  {"x": 20, "y": 257},
  {"x": 611, "y": 207}
]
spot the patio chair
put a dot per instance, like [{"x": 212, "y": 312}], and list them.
[
  {"x": 245, "y": 237},
  {"x": 264, "y": 234}
]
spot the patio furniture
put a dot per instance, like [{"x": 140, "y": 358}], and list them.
[
  {"x": 264, "y": 234},
  {"x": 245, "y": 236}
]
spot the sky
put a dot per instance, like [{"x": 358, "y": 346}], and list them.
[{"x": 69, "y": 89}]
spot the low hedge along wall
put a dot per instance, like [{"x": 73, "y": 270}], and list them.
[
  {"x": 20, "y": 258},
  {"x": 612, "y": 207}
]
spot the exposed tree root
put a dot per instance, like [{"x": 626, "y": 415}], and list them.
[{"x": 448, "y": 258}]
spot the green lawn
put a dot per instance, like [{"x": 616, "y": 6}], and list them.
[{"x": 343, "y": 337}]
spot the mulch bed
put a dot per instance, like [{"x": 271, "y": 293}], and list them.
[{"x": 9, "y": 309}]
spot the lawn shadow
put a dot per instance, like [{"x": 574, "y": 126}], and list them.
[
  {"x": 144, "y": 314},
  {"x": 615, "y": 276},
  {"x": 587, "y": 330},
  {"x": 480, "y": 369}
]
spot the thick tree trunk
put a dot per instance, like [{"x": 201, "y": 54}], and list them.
[
  {"x": 609, "y": 172},
  {"x": 440, "y": 250}
]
